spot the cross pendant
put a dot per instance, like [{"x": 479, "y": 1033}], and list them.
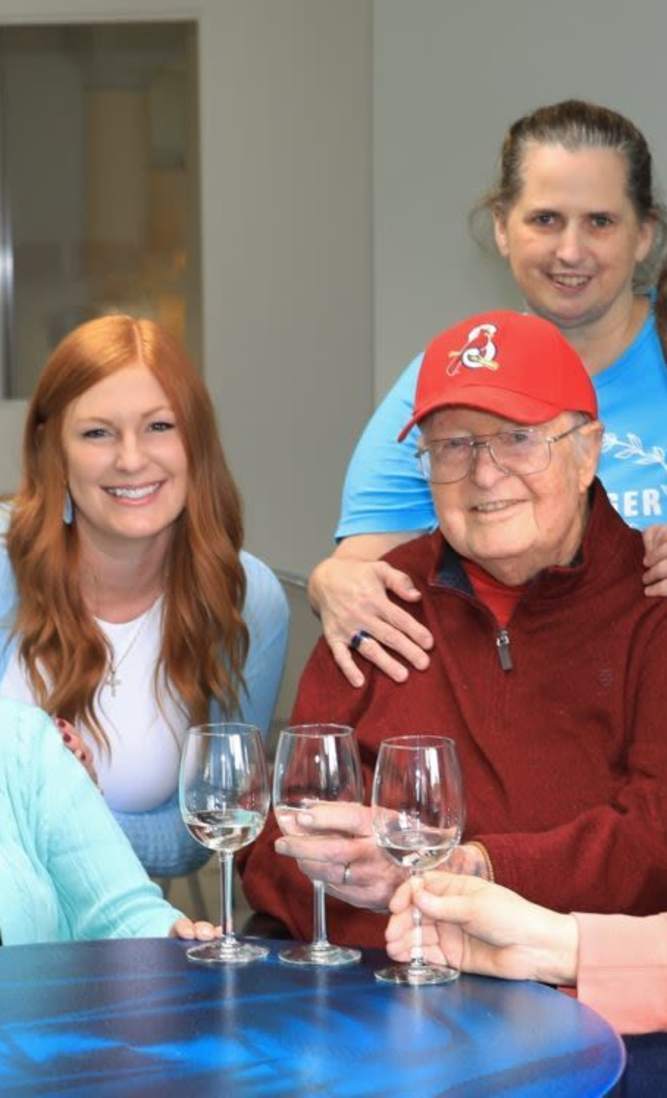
[{"x": 113, "y": 681}]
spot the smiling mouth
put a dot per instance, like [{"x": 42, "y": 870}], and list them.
[
  {"x": 570, "y": 281},
  {"x": 140, "y": 491},
  {"x": 494, "y": 505}
]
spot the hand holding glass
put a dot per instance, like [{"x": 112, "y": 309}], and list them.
[
  {"x": 417, "y": 810},
  {"x": 224, "y": 799},
  {"x": 314, "y": 763}
]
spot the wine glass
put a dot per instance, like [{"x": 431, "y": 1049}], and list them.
[
  {"x": 315, "y": 763},
  {"x": 223, "y": 792},
  {"x": 417, "y": 813}
]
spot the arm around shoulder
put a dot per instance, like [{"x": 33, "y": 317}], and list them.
[{"x": 351, "y": 592}]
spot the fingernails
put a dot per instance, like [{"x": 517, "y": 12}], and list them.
[
  {"x": 280, "y": 846},
  {"x": 66, "y": 737},
  {"x": 304, "y": 819},
  {"x": 59, "y": 722}
]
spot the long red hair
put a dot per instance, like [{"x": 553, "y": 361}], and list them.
[{"x": 205, "y": 640}]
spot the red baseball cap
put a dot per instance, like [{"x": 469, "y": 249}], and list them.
[{"x": 512, "y": 365}]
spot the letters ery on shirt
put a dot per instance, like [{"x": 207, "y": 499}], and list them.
[{"x": 634, "y": 473}]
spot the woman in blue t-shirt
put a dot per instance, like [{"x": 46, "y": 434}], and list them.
[{"x": 575, "y": 217}]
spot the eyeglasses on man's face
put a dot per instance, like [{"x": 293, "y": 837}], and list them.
[{"x": 521, "y": 450}]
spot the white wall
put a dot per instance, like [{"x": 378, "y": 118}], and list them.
[
  {"x": 12, "y": 417},
  {"x": 285, "y": 93},
  {"x": 286, "y": 141},
  {"x": 327, "y": 230},
  {"x": 449, "y": 77}
]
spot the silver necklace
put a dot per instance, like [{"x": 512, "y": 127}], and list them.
[{"x": 111, "y": 679}]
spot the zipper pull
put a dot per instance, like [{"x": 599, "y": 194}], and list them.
[{"x": 504, "y": 653}]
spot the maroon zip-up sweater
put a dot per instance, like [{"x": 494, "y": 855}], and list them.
[{"x": 564, "y": 753}]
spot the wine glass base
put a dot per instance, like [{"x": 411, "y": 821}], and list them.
[
  {"x": 416, "y": 975},
  {"x": 226, "y": 953},
  {"x": 326, "y": 954}
]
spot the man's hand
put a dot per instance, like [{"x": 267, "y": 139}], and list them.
[{"x": 334, "y": 843}]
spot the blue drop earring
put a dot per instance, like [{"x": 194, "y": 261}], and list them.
[{"x": 68, "y": 509}]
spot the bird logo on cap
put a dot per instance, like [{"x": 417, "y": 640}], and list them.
[{"x": 479, "y": 351}]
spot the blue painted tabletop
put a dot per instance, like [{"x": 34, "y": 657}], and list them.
[{"x": 135, "y": 1018}]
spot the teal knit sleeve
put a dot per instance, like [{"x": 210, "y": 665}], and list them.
[{"x": 102, "y": 889}]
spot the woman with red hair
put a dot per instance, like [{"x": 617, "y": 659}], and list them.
[{"x": 129, "y": 609}]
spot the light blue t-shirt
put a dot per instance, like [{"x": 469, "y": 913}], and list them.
[{"x": 384, "y": 490}]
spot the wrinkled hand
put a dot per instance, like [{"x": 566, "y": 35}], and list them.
[
  {"x": 655, "y": 560},
  {"x": 75, "y": 743},
  {"x": 481, "y": 927},
  {"x": 351, "y": 595},
  {"x": 326, "y": 838},
  {"x": 202, "y": 931}
]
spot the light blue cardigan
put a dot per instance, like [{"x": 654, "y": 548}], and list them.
[
  {"x": 159, "y": 837},
  {"x": 66, "y": 869}
]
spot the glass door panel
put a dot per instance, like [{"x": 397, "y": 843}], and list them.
[{"x": 99, "y": 167}]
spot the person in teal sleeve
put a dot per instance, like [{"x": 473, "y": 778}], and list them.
[
  {"x": 576, "y": 218},
  {"x": 128, "y": 609},
  {"x": 67, "y": 872}
]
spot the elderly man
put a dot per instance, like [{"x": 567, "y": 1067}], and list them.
[{"x": 548, "y": 667}]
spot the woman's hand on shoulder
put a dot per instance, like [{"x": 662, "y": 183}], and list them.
[
  {"x": 655, "y": 560},
  {"x": 189, "y": 930},
  {"x": 75, "y": 743},
  {"x": 350, "y": 595}
]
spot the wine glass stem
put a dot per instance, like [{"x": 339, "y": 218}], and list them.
[
  {"x": 319, "y": 915},
  {"x": 417, "y": 952},
  {"x": 226, "y": 893}
]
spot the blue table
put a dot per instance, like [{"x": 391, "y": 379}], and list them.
[{"x": 134, "y": 1018}]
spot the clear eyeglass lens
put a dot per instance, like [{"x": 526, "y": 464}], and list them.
[
  {"x": 521, "y": 449},
  {"x": 449, "y": 460}
]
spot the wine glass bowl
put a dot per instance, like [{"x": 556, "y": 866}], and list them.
[
  {"x": 224, "y": 800},
  {"x": 315, "y": 763},
  {"x": 417, "y": 814}
]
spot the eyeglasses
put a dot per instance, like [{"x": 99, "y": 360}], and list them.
[{"x": 522, "y": 450}]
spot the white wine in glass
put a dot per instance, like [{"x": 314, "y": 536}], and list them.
[
  {"x": 224, "y": 799},
  {"x": 418, "y": 814},
  {"x": 315, "y": 763}
]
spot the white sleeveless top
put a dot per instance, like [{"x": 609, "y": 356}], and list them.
[{"x": 145, "y": 732}]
